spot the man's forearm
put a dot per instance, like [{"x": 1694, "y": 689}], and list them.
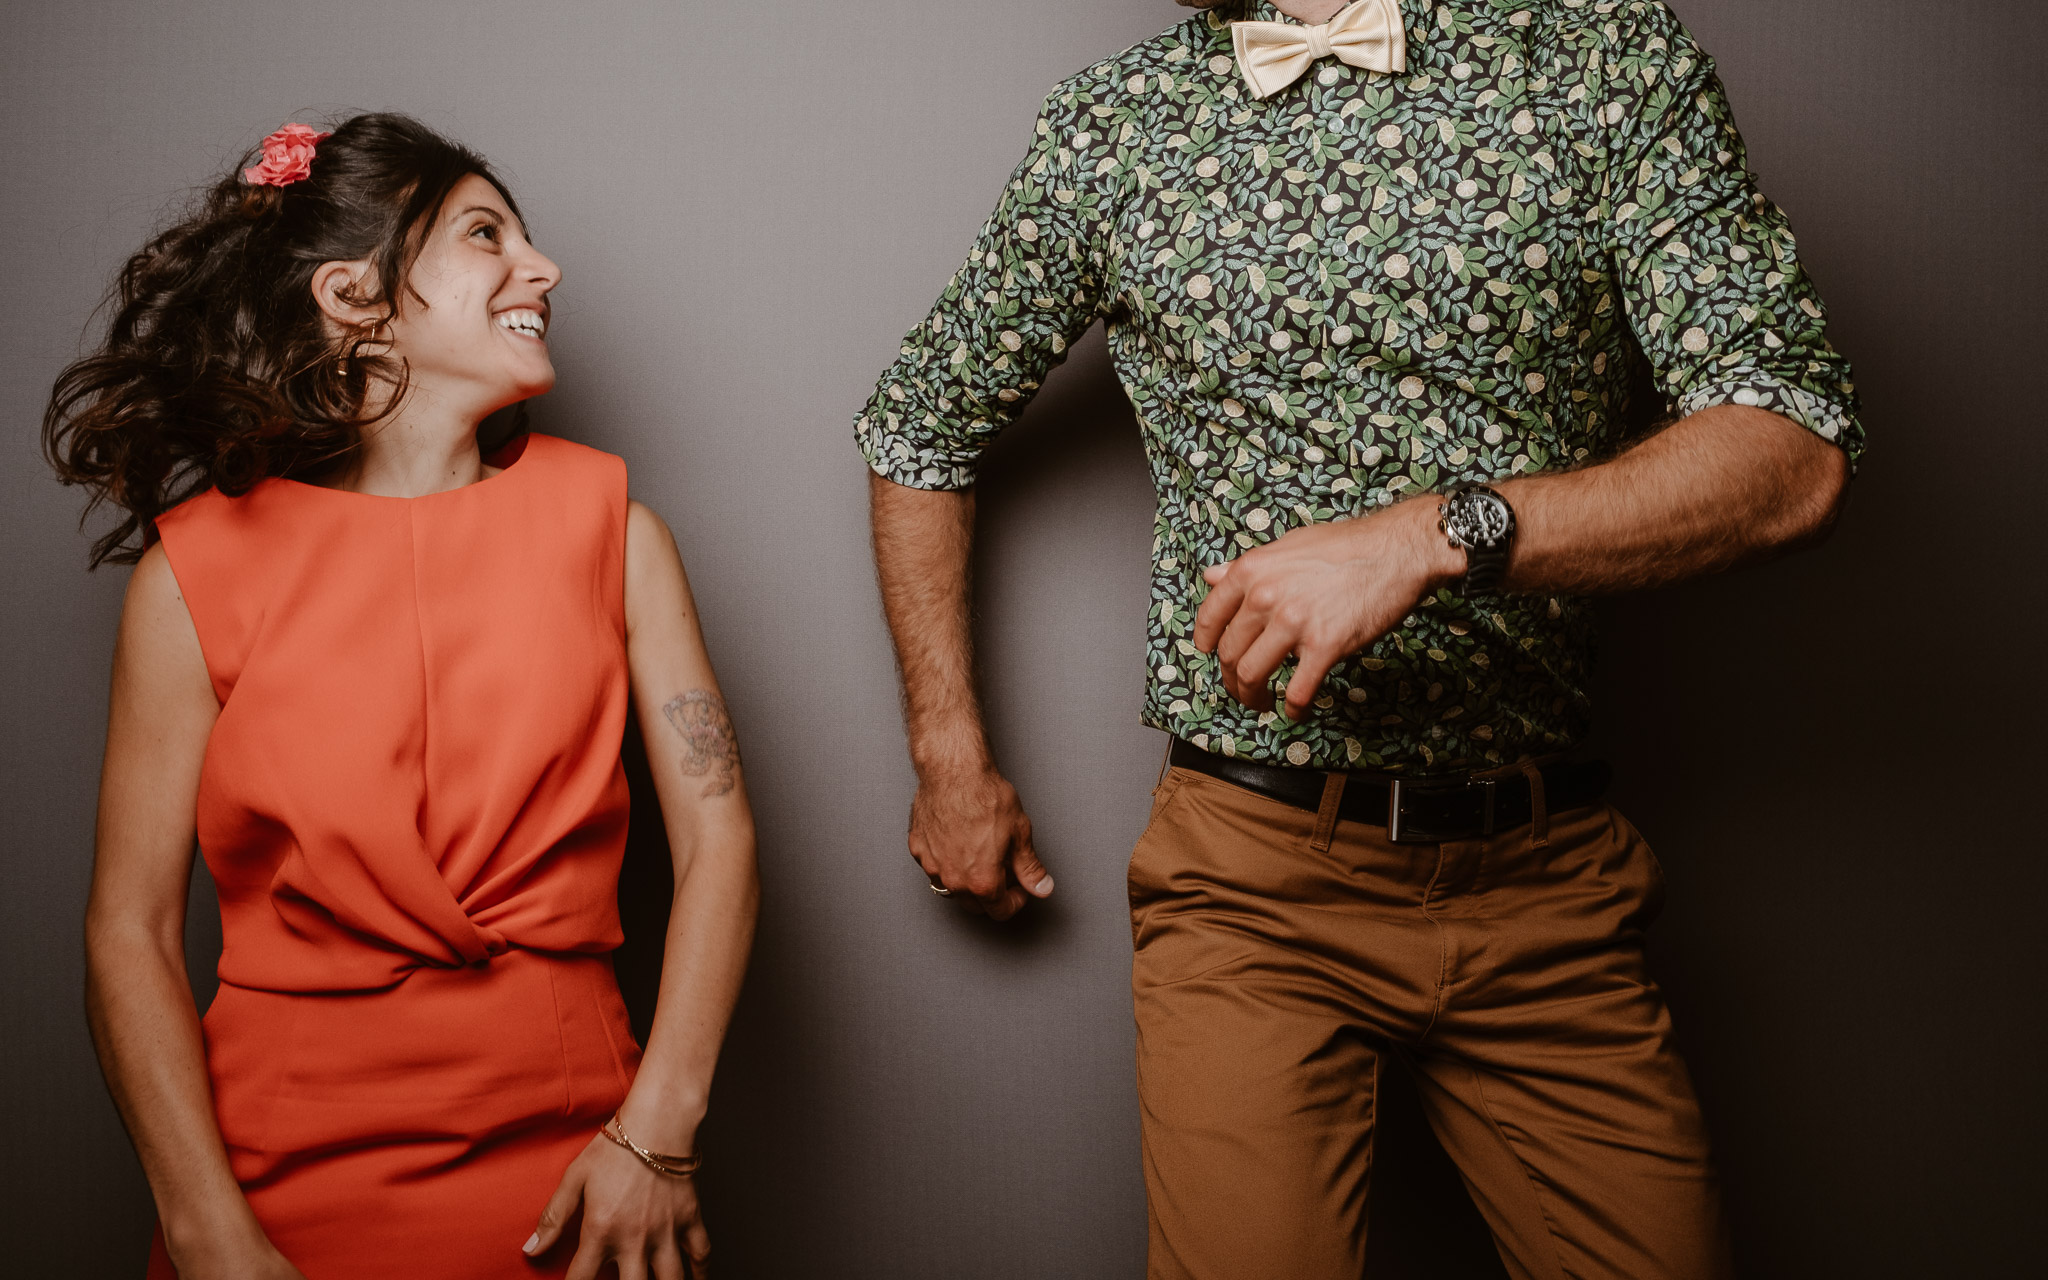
[
  {"x": 1724, "y": 487},
  {"x": 924, "y": 543}
]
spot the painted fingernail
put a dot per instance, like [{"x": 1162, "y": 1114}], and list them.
[{"x": 531, "y": 1242}]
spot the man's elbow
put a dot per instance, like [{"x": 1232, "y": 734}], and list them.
[{"x": 1817, "y": 497}]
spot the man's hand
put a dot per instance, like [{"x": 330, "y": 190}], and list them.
[
  {"x": 1321, "y": 593},
  {"x": 968, "y": 830},
  {"x": 1722, "y": 487}
]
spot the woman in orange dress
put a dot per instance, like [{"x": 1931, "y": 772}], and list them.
[{"x": 383, "y": 681}]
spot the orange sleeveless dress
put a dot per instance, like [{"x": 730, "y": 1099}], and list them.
[{"x": 414, "y": 810}]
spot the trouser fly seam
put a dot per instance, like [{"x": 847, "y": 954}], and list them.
[{"x": 1443, "y": 947}]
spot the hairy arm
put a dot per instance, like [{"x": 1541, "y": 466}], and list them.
[
  {"x": 967, "y": 827},
  {"x": 633, "y": 1216},
  {"x": 138, "y": 1002},
  {"x": 1723, "y": 487}
]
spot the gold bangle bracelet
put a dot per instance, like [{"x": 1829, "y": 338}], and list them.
[{"x": 674, "y": 1166}]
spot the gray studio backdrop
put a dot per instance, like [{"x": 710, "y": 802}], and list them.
[{"x": 1837, "y": 755}]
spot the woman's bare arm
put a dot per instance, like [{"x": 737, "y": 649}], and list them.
[
  {"x": 695, "y": 758},
  {"x": 137, "y": 999},
  {"x": 630, "y": 1212}
]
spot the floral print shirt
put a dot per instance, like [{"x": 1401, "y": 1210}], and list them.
[{"x": 1508, "y": 258}]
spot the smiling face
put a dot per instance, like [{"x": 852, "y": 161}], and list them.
[{"x": 472, "y": 324}]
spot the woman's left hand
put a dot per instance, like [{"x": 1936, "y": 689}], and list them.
[{"x": 645, "y": 1222}]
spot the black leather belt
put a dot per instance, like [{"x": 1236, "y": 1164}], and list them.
[{"x": 1413, "y": 810}]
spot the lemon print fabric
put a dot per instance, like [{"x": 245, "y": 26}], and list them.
[{"x": 1534, "y": 242}]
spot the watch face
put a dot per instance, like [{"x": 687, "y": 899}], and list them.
[{"x": 1479, "y": 518}]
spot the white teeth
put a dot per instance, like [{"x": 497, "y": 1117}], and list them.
[{"x": 526, "y": 322}]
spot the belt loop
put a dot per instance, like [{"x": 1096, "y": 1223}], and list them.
[
  {"x": 1165, "y": 764},
  {"x": 1326, "y": 816},
  {"x": 1539, "y": 811}
]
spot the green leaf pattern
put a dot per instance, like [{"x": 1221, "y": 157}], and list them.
[{"x": 1500, "y": 261}]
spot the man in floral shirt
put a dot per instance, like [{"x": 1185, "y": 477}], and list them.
[{"x": 1396, "y": 290}]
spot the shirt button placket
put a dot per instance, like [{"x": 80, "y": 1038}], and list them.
[
  {"x": 1337, "y": 210},
  {"x": 1322, "y": 93}
]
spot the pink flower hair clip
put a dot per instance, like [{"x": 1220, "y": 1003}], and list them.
[{"x": 287, "y": 157}]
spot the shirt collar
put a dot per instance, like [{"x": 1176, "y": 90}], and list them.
[
  {"x": 1219, "y": 17},
  {"x": 1251, "y": 11}
]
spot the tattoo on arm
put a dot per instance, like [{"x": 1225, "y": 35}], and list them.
[{"x": 709, "y": 747}]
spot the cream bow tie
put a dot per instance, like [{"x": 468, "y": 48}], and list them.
[{"x": 1273, "y": 55}]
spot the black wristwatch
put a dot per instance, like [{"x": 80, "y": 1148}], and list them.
[{"x": 1479, "y": 522}]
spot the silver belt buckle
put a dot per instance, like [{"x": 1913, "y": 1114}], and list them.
[{"x": 1402, "y": 829}]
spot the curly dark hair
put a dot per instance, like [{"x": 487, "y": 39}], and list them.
[{"x": 218, "y": 368}]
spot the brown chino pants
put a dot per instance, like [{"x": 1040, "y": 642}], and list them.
[{"x": 1274, "y": 970}]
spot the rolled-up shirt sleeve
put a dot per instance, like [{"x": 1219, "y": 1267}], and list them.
[
  {"x": 1029, "y": 289},
  {"x": 1707, "y": 266}
]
